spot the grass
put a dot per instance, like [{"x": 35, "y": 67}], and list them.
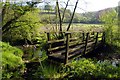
[
  {"x": 74, "y": 27},
  {"x": 109, "y": 53}
]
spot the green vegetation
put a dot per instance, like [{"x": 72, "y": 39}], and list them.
[
  {"x": 110, "y": 19},
  {"x": 24, "y": 25},
  {"x": 12, "y": 63},
  {"x": 89, "y": 69},
  {"x": 48, "y": 72},
  {"x": 82, "y": 69}
]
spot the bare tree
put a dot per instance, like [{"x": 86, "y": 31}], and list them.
[
  {"x": 72, "y": 15},
  {"x": 62, "y": 18}
]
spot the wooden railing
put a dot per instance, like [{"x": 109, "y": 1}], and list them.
[{"x": 72, "y": 45}]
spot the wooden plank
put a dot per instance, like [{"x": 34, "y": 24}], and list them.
[
  {"x": 90, "y": 40},
  {"x": 56, "y": 41},
  {"x": 103, "y": 38},
  {"x": 49, "y": 45},
  {"x": 71, "y": 50},
  {"x": 89, "y": 47},
  {"x": 62, "y": 52},
  {"x": 67, "y": 48},
  {"x": 89, "y": 50},
  {"x": 74, "y": 39},
  {"x": 52, "y": 32},
  {"x": 74, "y": 46},
  {"x": 99, "y": 36},
  {"x": 83, "y": 35},
  {"x": 56, "y": 48},
  {"x": 57, "y": 57},
  {"x": 70, "y": 45},
  {"x": 96, "y": 39},
  {"x": 76, "y": 54},
  {"x": 92, "y": 36},
  {"x": 90, "y": 44},
  {"x": 87, "y": 36},
  {"x": 75, "y": 43}
]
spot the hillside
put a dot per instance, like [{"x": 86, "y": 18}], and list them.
[
  {"x": 93, "y": 17},
  {"x": 87, "y": 18}
]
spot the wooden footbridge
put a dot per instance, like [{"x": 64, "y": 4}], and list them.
[{"x": 74, "y": 44}]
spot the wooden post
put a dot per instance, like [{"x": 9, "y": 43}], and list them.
[
  {"x": 96, "y": 40},
  {"x": 83, "y": 37},
  {"x": 103, "y": 38},
  {"x": 67, "y": 48},
  {"x": 48, "y": 36},
  {"x": 49, "y": 45},
  {"x": 72, "y": 16},
  {"x": 86, "y": 41},
  {"x": 70, "y": 35},
  {"x": 92, "y": 33}
]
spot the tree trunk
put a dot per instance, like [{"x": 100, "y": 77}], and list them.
[{"x": 72, "y": 15}]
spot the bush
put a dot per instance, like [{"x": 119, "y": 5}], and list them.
[
  {"x": 12, "y": 64},
  {"x": 88, "y": 69},
  {"x": 48, "y": 71}
]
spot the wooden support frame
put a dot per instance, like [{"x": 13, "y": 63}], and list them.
[
  {"x": 73, "y": 46},
  {"x": 83, "y": 34},
  {"x": 67, "y": 48},
  {"x": 49, "y": 45},
  {"x": 86, "y": 41},
  {"x": 103, "y": 38},
  {"x": 96, "y": 40}
]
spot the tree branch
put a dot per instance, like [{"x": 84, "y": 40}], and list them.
[
  {"x": 57, "y": 5},
  {"x": 72, "y": 15},
  {"x": 65, "y": 10},
  {"x": 11, "y": 21}
]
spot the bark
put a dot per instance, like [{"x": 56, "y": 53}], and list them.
[
  {"x": 65, "y": 10},
  {"x": 6, "y": 26},
  {"x": 72, "y": 15},
  {"x": 58, "y": 9}
]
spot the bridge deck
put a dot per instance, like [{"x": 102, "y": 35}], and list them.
[{"x": 70, "y": 48}]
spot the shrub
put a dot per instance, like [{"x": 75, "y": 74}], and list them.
[
  {"x": 12, "y": 64},
  {"x": 48, "y": 71},
  {"x": 88, "y": 69}
]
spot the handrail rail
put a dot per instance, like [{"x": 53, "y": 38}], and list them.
[
  {"x": 69, "y": 44},
  {"x": 73, "y": 31}
]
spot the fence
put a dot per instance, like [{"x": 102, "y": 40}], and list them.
[{"x": 72, "y": 46}]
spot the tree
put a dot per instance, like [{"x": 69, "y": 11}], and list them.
[
  {"x": 119, "y": 16},
  {"x": 16, "y": 11},
  {"x": 109, "y": 17},
  {"x": 47, "y": 7},
  {"x": 61, "y": 19},
  {"x": 20, "y": 22}
]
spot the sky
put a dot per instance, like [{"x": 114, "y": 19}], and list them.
[
  {"x": 92, "y": 5},
  {"x": 83, "y": 5},
  {"x": 95, "y": 5}
]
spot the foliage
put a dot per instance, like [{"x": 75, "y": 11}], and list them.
[
  {"x": 24, "y": 28},
  {"x": 12, "y": 64},
  {"x": 110, "y": 19},
  {"x": 47, "y": 7},
  {"x": 88, "y": 69},
  {"x": 11, "y": 12},
  {"x": 29, "y": 26},
  {"x": 48, "y": 71},
  {"x": 20, "y": 21}
]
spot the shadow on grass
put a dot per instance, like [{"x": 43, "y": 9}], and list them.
[{"x": 105, "y": 52}]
